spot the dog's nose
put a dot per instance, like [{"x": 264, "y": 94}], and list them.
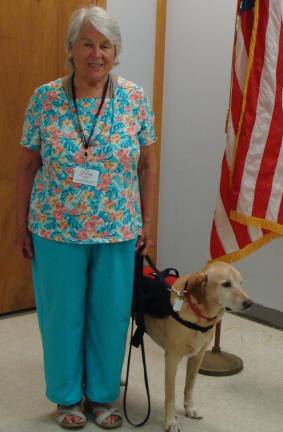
[{"x": 247, "y": 303}]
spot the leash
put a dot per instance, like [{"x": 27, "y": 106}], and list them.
[
  {"x": 139, "y": 320},
  {"x": 145, "y": 382}
]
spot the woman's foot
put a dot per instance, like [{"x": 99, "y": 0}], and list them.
[
  {"x": 104, "y": 415},
  {"x": 71, "y": 416}
]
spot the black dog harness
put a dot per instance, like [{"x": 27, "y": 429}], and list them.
[
  {"x": 189, "y": 324},
  {"x": 153, "y": 298}
]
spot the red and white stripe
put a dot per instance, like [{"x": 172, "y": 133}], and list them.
[{"x": 251, "y": 183}]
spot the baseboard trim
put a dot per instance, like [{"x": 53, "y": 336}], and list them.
[
  {"x": 264, "y": 315},
  {"x": 258, "y": 313},
  {"x": 17, "y": 313}
]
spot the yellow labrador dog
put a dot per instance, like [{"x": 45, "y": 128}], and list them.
[{"x": 199, "y": 300}]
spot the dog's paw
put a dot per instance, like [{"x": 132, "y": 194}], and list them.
[
  {"x": 173, "y": 427},
  {"x": 192, "y": 413}
]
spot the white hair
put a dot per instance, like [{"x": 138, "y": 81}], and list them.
[{"x": 103, "y": 23}]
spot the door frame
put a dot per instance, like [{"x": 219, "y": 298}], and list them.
[{"x": 158, "y": 91}]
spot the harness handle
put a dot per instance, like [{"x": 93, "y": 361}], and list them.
[
  {"x": 160, "y": 274},
  {"x": 170, "y": 272}
]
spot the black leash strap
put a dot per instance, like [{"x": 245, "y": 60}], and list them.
[
  {"x": 145, "y": 382},
  {"x": 138, "y": 310}
]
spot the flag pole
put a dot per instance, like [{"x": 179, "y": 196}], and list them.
[{"x": 220, "y": 363}]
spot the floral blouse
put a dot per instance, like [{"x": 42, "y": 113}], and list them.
[{"x": 67, "y": 211}]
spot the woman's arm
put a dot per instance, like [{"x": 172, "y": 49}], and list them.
[
  {"x": 147, "y": 172},
  {"x": 29, "y": 162}
]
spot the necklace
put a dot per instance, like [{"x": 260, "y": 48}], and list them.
[{"x": 73, "y": 94}]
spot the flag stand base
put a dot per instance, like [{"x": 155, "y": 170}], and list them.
[{"x": 220, "y": 363}]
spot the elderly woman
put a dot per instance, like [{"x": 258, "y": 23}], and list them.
[{"x": 85, "y": 196}]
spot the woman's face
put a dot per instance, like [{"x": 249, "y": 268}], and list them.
[{"x": 93, "y": 55}]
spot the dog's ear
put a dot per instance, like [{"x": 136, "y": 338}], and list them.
[{"x": 196, "y": 286}]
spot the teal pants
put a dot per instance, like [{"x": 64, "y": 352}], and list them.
[{"x": 83, "y": 298}]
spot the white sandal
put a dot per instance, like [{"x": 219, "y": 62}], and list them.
[
  {"x": 107, "y": 412},
  {"x": 74, "y": 410}
]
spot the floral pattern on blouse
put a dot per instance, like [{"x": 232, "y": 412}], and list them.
[{"x": 63, "y": 210}]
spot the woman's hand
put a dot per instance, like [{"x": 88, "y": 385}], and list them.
[
  {"x": 28, "y": 164},
  {"x": 23, "y": 244},
  {"x": 146, "y": 239}
]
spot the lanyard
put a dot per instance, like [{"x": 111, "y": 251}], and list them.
[{"x": 84, "y": 140}]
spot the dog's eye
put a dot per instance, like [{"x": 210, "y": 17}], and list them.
[{"x": 226, "y": 284}]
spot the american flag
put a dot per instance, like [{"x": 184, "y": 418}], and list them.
[{"x": 249, "y": 209}]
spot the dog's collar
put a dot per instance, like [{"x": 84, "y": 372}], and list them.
[
  {"x": 196, "y": 310},
  {"x": 189, "y": 324}
]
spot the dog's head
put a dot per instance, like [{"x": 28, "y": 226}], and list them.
[
  {"x": 218, "y": 283},
  {"x": 226, "y": 281}
]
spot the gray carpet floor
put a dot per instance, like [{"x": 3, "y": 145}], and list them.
[{"x": 249, "y": 401}]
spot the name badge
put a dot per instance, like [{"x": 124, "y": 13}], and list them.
[{"x": 86, "y": 176}]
